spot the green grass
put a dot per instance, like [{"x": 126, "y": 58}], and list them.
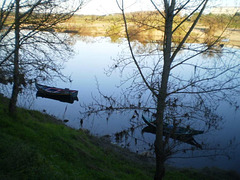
[{"x": 37, "y": 146}]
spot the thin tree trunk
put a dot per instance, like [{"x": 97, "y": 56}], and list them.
[
  {"x": 15, "y": 90},
  {"x": 159, "y": 142}
]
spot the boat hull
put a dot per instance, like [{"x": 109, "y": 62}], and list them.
[
  {"x": 173, "y": 131},
  {"x": 57, "y": 92},
  {"x": 179, "y": 133},
  {"x": 183, "y": 138},
  {"x": 67, "y": 99}
]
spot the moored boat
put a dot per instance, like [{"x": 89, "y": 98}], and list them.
[
  {"x": 178, "y": 133},
  {"x": 53, "y": 91},
  {"x": 170, "y": 129}
]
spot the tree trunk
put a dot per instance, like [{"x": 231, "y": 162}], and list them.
[
  {"x": 15, "y": 90},
  {"x": 159, "y": 142},
  {"x": 160, "y": 167}
]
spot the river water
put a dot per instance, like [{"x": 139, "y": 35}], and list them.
[{"x": 87, "y": 69}]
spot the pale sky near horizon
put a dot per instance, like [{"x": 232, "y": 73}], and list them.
[{"x": 103, "y": 7}]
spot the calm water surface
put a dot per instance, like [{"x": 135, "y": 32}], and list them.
[{"x": 92, "y": 57}]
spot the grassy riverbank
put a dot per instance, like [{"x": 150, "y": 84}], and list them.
[{"x": 37, "y": 146}]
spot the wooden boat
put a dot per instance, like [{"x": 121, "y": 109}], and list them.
[
  {"x": 170, "y": 129},
  {"x": 53, "y": 91},
  {"x": 183, "y": 138},
  {"x": 179, "y": 133}
]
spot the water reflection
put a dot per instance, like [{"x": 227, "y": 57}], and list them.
[
  {"x": 67, "y": 99},
  {"x": 92, "y": 57}
]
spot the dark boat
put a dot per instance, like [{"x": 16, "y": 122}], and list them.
[
  {"x": 185, "y": 139},
  {"x": 67, "y": 99},
  {"x": 53, "y": 91},
  {"x": 179, "y": 133},
  {"x": 170, "y": 129}
]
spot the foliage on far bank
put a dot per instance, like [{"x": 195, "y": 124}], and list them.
[
  {"x": 112, "y": 26},
  {"x": 233, "y": 21},
  {"x": 148, "y": 27}
]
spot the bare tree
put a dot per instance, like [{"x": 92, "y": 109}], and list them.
[
  {"x": 183, "y": 89},
  {"x": 35, "y": 50}
]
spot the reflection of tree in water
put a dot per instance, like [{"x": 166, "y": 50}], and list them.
[
  {"x": 114, "y": 31},
  {"x": 134, "y": 137},
  {"x": 30, "y": 46},
  {"x": 214, "y": 51},
  {"x": 173, "y": 82}
]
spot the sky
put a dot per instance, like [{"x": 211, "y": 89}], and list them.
[{"x": 104, "y": 7}]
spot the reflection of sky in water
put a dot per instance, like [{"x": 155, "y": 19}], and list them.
[
  {"x": 88, "y": 65},
  {"x": 229, "y": 133}
]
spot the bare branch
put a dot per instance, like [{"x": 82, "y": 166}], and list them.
[
  {"x": 131, "y": 51},
  {"x": 189, "y": 31},
  {"x": 159, "y": 11}
]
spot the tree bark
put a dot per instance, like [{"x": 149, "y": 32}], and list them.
[
  {"x": 15, "y": 90},
  {"x": 159, "y": 142},
  {"x": 169, "y": 54}
]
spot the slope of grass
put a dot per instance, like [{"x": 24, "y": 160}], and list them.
[{"x": 37, "y": 146}]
